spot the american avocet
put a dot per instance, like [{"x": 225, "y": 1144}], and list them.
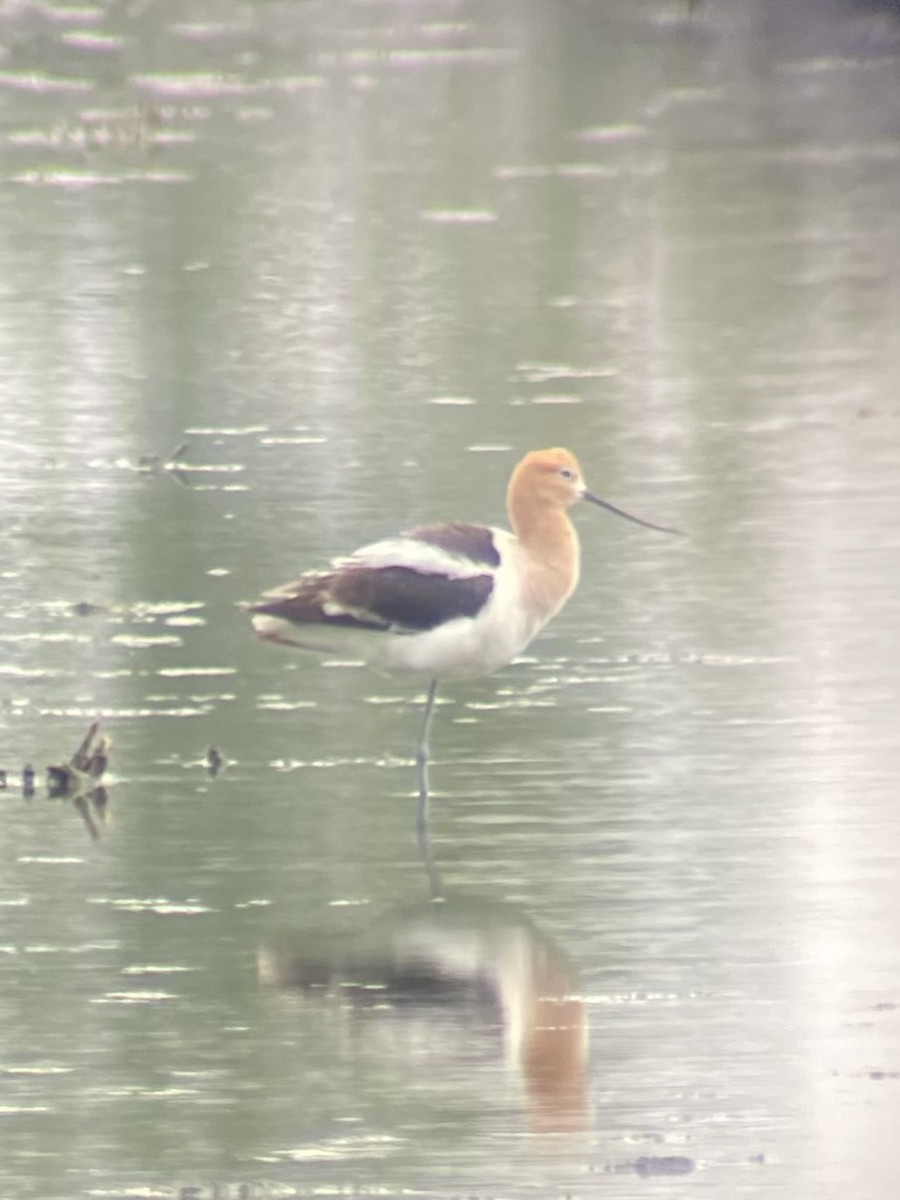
[{"x": 446, "y": 601}]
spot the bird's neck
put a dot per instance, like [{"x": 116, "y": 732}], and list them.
[{"x": 551, "y": 552}]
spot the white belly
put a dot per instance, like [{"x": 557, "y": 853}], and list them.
[{"x": 468, "y": 646}]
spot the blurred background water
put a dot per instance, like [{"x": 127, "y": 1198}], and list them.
[{"x": 279, "y": 278}]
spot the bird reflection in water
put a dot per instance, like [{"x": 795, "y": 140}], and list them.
[{"x": 464, "y": 952}]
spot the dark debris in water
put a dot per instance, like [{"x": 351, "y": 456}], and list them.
[
  {"x": 215, "y": 763},
  {"x": 654, "y": 1164},
  {"x": 86, "y": 766},
  {"x": 91, "y": 132},
  {"x": 166, "y": 464},
  {"x": 77, "y": 778},
  {"x": 175, "y": 465},
  {"x": 84, "y": 608},
  {"x": 665, "y": 1164}
]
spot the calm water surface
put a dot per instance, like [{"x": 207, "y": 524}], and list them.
[{"x": 276, "y": 279}]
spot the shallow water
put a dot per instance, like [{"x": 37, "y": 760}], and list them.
[{"x": 278, "y": 281}]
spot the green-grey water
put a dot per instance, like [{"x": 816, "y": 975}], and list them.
[{"x": 277, "y": 279}]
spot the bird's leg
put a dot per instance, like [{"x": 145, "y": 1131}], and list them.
[
  {"x": 422, "y": 763},
  {"x": 422, "y": 776}
]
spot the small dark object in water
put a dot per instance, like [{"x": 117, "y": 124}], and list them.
[
  {"x": 665, "y": 1164},
  {"x": 214, "y": 761},
  {"x": 84, "y": 608},
  {"x": 58, "y": 781},
  {"x": 28, "y": 780},
  {"x": 2, "y": 780},
  {"x": 161, "y": 463}
]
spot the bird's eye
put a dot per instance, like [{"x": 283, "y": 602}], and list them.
[{"x": 567, "y": 472}]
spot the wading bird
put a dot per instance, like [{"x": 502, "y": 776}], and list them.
[{"x": 445, "y": 601}]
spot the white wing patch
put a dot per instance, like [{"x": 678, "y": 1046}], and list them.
[{"x": 415, "y": 555}]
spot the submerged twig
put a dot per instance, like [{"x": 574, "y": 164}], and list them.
[{"x": 166, "y": 464}]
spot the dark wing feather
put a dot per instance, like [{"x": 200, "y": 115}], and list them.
[
  {"x": 409, "y": 598},
  {"x": 472, "y": 542},
  {"x": 309, "y": 601},
  {"x": 379, "y": 598}
]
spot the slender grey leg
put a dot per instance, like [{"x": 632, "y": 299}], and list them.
[
  {"x": 422, "y": 749},
  {"x": 422, "y": 771}
]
